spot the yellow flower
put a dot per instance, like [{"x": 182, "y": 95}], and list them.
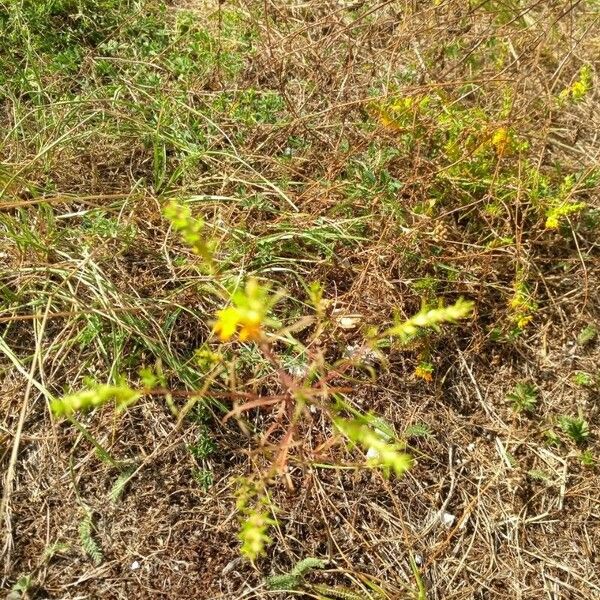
[
  {"x": 424, "y": 371},
  {"x": 500, "y": 140},
  {"x": 250, "y": 326},
  {"x": 206, "y": 358},
  {"x": 387, "y": 120},
  {"x": 247, "y": 313},
  {"x": 579, "y": 90},
  {"x": 523, "y": 321},
  {"x": 228, "y": 320},
  {"x": 561, "y": 211}
]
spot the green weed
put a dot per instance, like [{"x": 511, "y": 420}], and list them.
[
  {"x": 524, "y": 397},
  {"x": 248, "y": 318},
  {"x": 293, "y": 579},
  {"x": 588, "y": 459},
  {"x": 121, "y": 483},
  {"x": 587, "y": 335},
  {"x": 204, "y": 478},
  {"x": 583, "y": 379},
  {"x": 86, "y": 537},
  {"x": 203, "y": 447},
  {"x": 576, "y": 428}
]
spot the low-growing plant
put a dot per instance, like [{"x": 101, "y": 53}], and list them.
[
  {"x": 121, "y": 483},
  {"x": 552, "y": 438},
  {"x": 587, "y": 335},
  {"x": 203, "y": 447},
  {"x": 294, "y": 578},
  {"x": 523, "y": 397},
  {"x": 20, "y": 589},
  {"x": 86, "y": 537},
  {"x": 248, "y": 318},
  {"x": 522, "y": 304},
  {"x": 579, "y": 88},
  {"x": 418, "y": 430},
  {"x": 588, "y": 459},
  {"x": 424, "y": 371},
  {"x": 204, "y": 478},
  {"x": 576, "y": 428},
  {"x": 583, "y": 379}
]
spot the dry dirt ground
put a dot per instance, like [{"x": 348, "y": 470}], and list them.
[{"x": 309, "y": 183}]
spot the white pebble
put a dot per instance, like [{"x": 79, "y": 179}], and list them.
[
  {"x": 447, "y": 519},
  {"x": 372, "y": 453}
]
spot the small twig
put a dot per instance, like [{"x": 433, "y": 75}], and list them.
[{"x": 258, "y": 403}]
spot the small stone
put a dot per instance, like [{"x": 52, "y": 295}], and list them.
[
  {"x": 350, "y": 321},
  {"x": 447, "y": 519},
  {"x": 372, "y": 454},
  {"x": 135, "y": 565}
]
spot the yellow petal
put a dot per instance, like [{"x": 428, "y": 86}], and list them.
[
  {"x": 423, "y": 373},
  {"x": 250, "y": 332},
  {"x": 227, "y": 322}
]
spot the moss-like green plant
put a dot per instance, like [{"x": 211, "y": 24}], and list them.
[
  {"x": 86, "y": 537},
  {"x": 588, "y": 459},
  {"x": 583, "y": 379},
  {"x": 380, "y": 450},
  {"x": 430, "y": 318},
  {"x": 293, "y": 579},
  {"x": 587, "y": 335},
  {"x": 95, "y": 396},
  {"x": 579, "y": 89}
]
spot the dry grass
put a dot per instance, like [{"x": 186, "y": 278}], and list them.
[{"x": 305, "y": 184}]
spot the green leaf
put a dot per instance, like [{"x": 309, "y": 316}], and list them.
[{"x": 86, "y": 528}]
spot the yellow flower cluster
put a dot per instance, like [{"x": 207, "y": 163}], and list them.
[
  {"x": 230, "y": 318},
  {"x": 579, "y": 88},
  {"x": 500, "y": 140},
  {"x": 558, "y": 213},
  {"x": 247, "y": 313},
  {"x": 522, "y": 304},
  {"x": 424, "y": 371}
]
